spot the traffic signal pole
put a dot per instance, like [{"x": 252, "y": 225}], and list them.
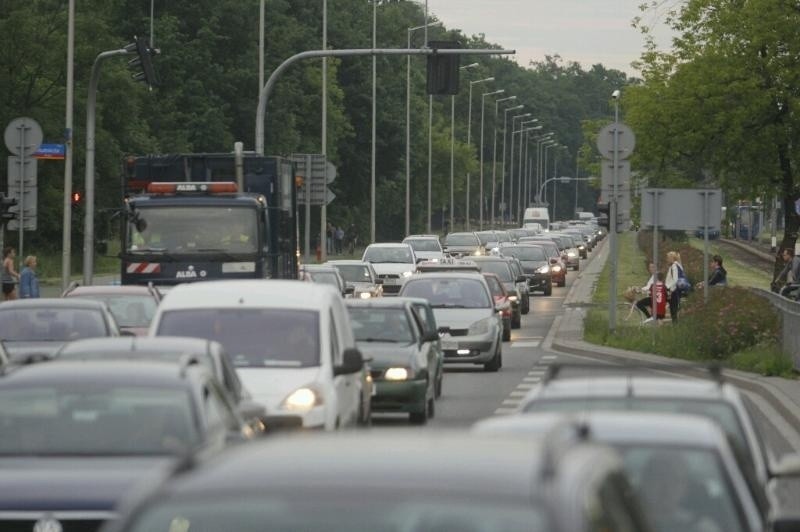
[{"x": 612, "y": 226}]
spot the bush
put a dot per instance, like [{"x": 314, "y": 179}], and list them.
[
  {"x": 691, "y": 258},
  {"x": 733, "y": 319}
]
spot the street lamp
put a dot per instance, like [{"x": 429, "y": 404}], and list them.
[
  {"x": 408, "y": 124},
  {"x": 520, "y": 175},
  {"x": 539, "y": 142},
  {"x": 469, "y": 135},
  {"x": 523, "y": 186},
  {"x": 483, "y": 108},
  {"x": 545, "y": 147},
  {"x": 452, "y": 150},
  {"x": 494, "y": 152},
  {"x": 503, "y": 176},
  {"x": 511, "y": 170}
]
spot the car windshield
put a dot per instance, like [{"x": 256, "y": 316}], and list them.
[
  {"x": 128, "y": 310},
  {"x": 95, "y": 419},
  {"x": 682, "y": 488},
  {"x": 497, "y": 267},
  {"x": 400, "y": 255},
  {"x": 332, "y": 511},
  {"x": 462, "y": 239},
  {"x": 494, "y": 286},
  {"x": 485, "y": 238},
  {"x": 51, "y": 324},
  {"x": 354, "y": 273},
  {"x": 720, "y": 412},
  {"x": 325, "y": 278},
  {"x": 423, "y": 244},
  {"x": 381, "y": 325},
  {"x": 254, "y": 337},
  {"x": 527, "y": 253},
  {"x": 194, "y": 229},
  {"x": 448, "y": 293},
  {"x": 502, "y": 236}
]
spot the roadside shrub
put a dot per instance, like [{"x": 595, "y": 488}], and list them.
[
  {"x": 732, "y": 320},
  {"x": 691, "y": 258}
]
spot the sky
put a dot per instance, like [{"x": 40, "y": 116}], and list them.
[{"x": 584, "y": 31}]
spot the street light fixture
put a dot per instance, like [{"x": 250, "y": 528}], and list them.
[
  {"x": 452, "y": 150},
  {"x": 503, "y": 177},
  {"x": 480, "y": 195},
  {"x": 524, "y": 194},
  {"x": 539, "y": 141},
  {"x": 511, "y": 170},
  {"x": 520, "y": 175},
  {"x": 494, "y": 152},
  {"x": 408, "y": 124},
  {"x": 469, "y": 137}
]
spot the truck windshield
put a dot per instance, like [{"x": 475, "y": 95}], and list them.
[{"x": 194, "y": 229}]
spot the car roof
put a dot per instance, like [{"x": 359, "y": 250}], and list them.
[
  {"x": 425, "y": 463},
  {"x": 319, "y": 268},
  {"x": 421, "y": 237},
  {"x": 449, "y": 275},
  {"x": 346, "y": 262},
  {"x": 53, "y": 303},
  {"x": 249, "y": 294},
  {"x": 388, "y": 245},
  {"x": 140, "y": 344},
  {"x": 616, "y": 428},
  {"x": 107, "y": 372},
  {"x": 379, "y": 302},
  {"x": 109, "y": 289},
  {"x": 632, "y": 386}
]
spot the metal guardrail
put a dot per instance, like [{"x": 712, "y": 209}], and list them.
[{"x": 790, "y": 321}]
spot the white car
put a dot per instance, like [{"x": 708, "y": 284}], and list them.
[
  {"x": 394, "y": 263},
  {"x": 425, "y": 247},
  {"x": 291, "y": 343}
]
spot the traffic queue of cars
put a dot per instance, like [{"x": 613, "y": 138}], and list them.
[{"x": 140, "y": 427}]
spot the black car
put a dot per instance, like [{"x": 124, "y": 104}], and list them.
[
  {"x": 535, "y": 266},
  {"x": 39, "y": 327},
  {"x": 176, "y": 349},
  {"x": 500, "y": 266},
  {"x": 396, "y": 481},
  {"x": 78, "y": 435}
]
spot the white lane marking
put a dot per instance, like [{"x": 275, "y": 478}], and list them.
[
  {"x": 548, "y": 357},
  {"x": 511, "y": 402},
  {"x": 526, "y": 386},
  {"x": 532, "y": 379},
  {"x": 504, "y": 411},
  {"x": 519, "y": 393},
  {"x": 525, "y": 344},
  {"x": 539, "y": 372}
]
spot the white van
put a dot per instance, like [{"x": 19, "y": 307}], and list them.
[
  {"x": 585, "y": 216},
  {"x": 291, "y": 343},
  {"x": 536, "y": 215}
]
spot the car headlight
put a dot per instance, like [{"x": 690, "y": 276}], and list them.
[
  {"x": 543, "y": 269},
  {"x": 478, "y": 253},
  {"x": 556, "y": 269},
  {"x": 365, "y": 295},
  {"x": 512, "y": 298},
  {"x": 480, "y": 327},
  {"x": 581, "y": 247},
  {"x": 396, "y": 374},
  {"x": 304, "y": 398},
  {"x": 407, "y": 274},
  {"x": 571, "y": 254}
]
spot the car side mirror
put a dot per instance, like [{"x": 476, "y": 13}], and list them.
[
  {"x": 553, "y": 260},
  {"x": 352, "y": 362},
  {"x": 379, "y": 281},
  {"x": 786, "y": 523},
  {"x": 251, "y": 410},
  {"x": 350, "y": 290},
  {"x": 521, "y": 279},
  {"x": 787, "y": 466},
  {"x": 420, "y": 259},
  {"x": 444, "y": 330},
  {"x": 430, "y": 336}
]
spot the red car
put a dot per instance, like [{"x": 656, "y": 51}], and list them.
[
  {"x": 501, "y": 302},
  {"x": 132, "y": 306}
]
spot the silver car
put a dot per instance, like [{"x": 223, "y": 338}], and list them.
[
  {"x": 360, "y": 277},
  {"x": 471, "y": 327}
]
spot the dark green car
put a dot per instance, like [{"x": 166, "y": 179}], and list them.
[{"x": 403, "y": 360}]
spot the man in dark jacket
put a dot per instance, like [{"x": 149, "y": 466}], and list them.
[
  {"x": 718, "y": 275},
  {"x": 788, "y": 281}
]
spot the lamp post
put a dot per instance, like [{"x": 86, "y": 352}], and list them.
[
  {"x": 469, "y": 137},
  {"x": 503, "y": 176},
  {"x": 374, "y": 111},
  {"x": 511, "y": 158},
  {"x": 483, "y": 109},
  {"x": 558, "y": 148},
  {"x": 523, "y": 194},
  {"x": 494, "y": 154},
  {"x": 612, "y": 225},
  {"x": 545, "y": 147},
  {"x": 519, "y": 168},
  {"x": 408, "y": 126},
  {"x": 539, "y": 141},
  {"x": 452, "y": 150}
]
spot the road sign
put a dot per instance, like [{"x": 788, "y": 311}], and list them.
[
  {"x": 605, "y": 141},
  {"x": 320, "y": 168},
  {"x": 28, "y": 202},
  {"x": 23, "y": 136},
  {"x": 682, "y": 209},
  {"x": 51, "y": 151},
  {"x": 607, "y": 174},
  {"x": 20, "y": 169}
]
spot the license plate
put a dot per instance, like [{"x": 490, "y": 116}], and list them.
[
  {"x": 390, "y": 281},
  {"x": 449, "y": 346}
]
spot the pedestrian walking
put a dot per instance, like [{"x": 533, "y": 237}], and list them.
[
  {"x": 674, "y": 272},
  {"x": 28, "y": 282},
  {"x": 9, "y": 276},
  {"x": 339, "y": 236}
]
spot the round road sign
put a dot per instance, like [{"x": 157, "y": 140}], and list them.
[
  {"x": 23, "y": 130},
  {"x": 605, "y": 141}
]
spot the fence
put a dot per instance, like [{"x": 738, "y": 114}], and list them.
[{"x": 790, "y": 321}]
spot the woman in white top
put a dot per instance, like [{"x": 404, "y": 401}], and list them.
[{"x": 674, "y": 260}]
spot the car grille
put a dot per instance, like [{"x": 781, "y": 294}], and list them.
[
  {"x": 67, "y": 525},
  {"x": 389, "y": 276},
  {"x": 459, "y": 332}
]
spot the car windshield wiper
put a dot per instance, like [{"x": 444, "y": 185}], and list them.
[
  {"x": 387, "y": 340},
  {"x": 449, "y": 305}
]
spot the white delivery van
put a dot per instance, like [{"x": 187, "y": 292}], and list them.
[
  {"x": 585, "y": 216},
  {"x": 536, "y": 215}
]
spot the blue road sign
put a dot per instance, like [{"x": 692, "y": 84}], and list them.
[{"x": 50, "y": 151}]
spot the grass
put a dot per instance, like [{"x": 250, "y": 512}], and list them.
[
  {"x": 739, "y": 274},
  {"x": 49, "y": 264},
  {"x": 666, "y": 340}
]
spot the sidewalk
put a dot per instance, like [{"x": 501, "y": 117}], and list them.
[{"x": 566, "y": 336}]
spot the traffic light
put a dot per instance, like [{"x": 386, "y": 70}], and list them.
[
  {"x": 5, "y": 205},
  {"x": 77, "y": 198},
  {"x": 605, "y": 214},
  {"x": 443, "y": 70},
  {"x": 143, "y": 61}
]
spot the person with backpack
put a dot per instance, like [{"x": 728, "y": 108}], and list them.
[{"x": 676, "y": 283}]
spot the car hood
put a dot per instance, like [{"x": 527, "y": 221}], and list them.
[
  {"x": 530, "y": 266},
  {"x": 270, "y": 386},
  {"x": 471, "y": 248},
  {"x": 428, "y": 255},
  {"x": 460, "y": 318},
  {"x": 385, "y": 354},
  {"x": 17, "y": 350},
  {"x": 73, "y": 483},
  {"x": 388, "y": 268},
  {"x": 138, "y": 331}
]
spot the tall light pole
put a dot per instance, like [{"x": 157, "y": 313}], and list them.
[
  {"x": 469, "y": 138},
  {"x": 66, "y": 244},
  {"x": 409, "y": 31},
  {"x": 545, "y": 148},
  {"x": 523, "y": 194},
  {"x": 452, "y": 149},
  {"x": 503, "y": 175},
  {"x": 483, "y": 109},
  {"x": 612, "y": 222},
  {"x": 374, "y": 110},
  {"x": 520, "y": 175},
  {"x": 539, "y": 141},
  {"x": 323, "y": 223},
  {"x": 494, "y": 154},
  {"x": 511, "y": 170}
]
